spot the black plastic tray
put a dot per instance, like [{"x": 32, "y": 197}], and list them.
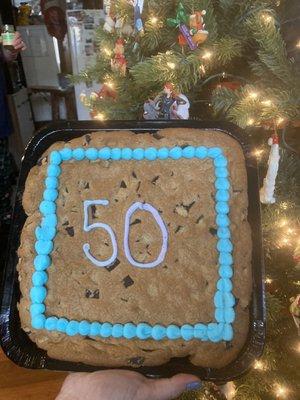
[{"x": 15, "y": 342}]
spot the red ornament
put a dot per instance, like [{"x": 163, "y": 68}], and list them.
[
  {"x": 107, "y": 92},
  {"x": 119, "y": 63},
  {"x": 181, "y": 40},
  {"x": 275, "y": 138}
]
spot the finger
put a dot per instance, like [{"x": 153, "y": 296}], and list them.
[{"x": 167, "y": 389}]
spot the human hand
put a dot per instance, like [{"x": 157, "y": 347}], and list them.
[
  {"x": 124, "y": 385},
  {"x": 18, "y": 43}
]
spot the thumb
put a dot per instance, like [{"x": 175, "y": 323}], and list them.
[{"x": 167, "y": 389}]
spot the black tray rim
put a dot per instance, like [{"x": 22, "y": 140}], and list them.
[{"x": 15, "y": 342}]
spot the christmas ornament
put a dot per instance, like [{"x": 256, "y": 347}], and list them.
[
  {"x": 199, "y": 34},
  {"x": 267, "y": 191},
  {"x": 295, "y": 311},
  {"x": 167, "y": 105},
  {"x": 180, "y": 22},
  {"x": 119, "y": 63},
  {"x": 138, "y": 6},
  {"x": 113, "y": 22},
  {"x": 229, "y": 390},
  {"x": 107, "y": 92},
  {"x": 24, "y": 13}
]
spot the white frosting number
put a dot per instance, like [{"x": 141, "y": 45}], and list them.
[{"x": 135, "y": 206}]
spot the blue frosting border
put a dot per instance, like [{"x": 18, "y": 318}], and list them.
[{"x": 45, "y": 233}]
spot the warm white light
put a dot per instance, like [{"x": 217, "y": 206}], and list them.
[
  {"x": 267, "y": 17},
  {"x": 279, "y": 120},
  {"x": 258, "y": 152},
  {"x": 223, "y": 74},
  {"x": 282, "y": 222},
  {"x": 107, "y": 51},
  {"x": 298, "y": 44},
  {"x": 250, "y": 121},
  {"x": 266, "y": 102},
  {"x": 280, "y": 391},
  {"x": 290, "y": 231},
  {"x": 171, "y": 65},
  {"x": 268, "y": 280},
  {"x": 253, "y": 95},
  {"x": 100, "y": 117},
  {"x": 154, "y": 20},
  {"x": 284, "y": 205},
  {"x": 207, "y": 55},
  {"x": 202, "y": 69},
  {"x": 297, "y": 347},
  {"x": 110, "y": 84},
  {"x": 260, "y": 365}
]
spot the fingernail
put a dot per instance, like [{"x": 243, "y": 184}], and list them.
[{"x": 194, "y": 385}]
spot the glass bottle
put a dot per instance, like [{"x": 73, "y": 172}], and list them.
[{"x": 8, "y": 36}]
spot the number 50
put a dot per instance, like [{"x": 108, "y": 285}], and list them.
[{"x": 131, "y": 210}]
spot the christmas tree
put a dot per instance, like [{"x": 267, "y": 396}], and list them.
[{"x": 227, "y": 59}]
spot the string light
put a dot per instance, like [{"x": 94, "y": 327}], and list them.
[
  {"x": 282, "y": 222},
  {"x": 279, "y": 120},
  {"x": 110, "y": 84},
  {"x": 207, "y": 55},
  {"x": 154, "y": 20},
  {"x": 280, "y": 391},
  {"x": 250, "y": 121},
  {"x": 202, "y": 69},
  {"x": 298, "y": 44},
  {"x": 266, "y": 102},
  {"x": 298, "y": 348},
  {"x": 267, "y": 17},
  {"x": 107, "y": 51},
  {"x": 284, "y": 205},
  {"x": 259, "y": 365},
  {"x": 253, "y": 95},
  {"x": 100, "y": 117},
  {"x": 268, "y": 281},
  {"x": 223, "y": 75},
  {"x": 258, "y": 152},
  {"x": 171, "y": 65}
]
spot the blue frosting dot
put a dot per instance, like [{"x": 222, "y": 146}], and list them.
[
  {"x": 91, "y": 153},
  {"x": 106, "y": 329},
  {"x": 218, "y": 299},
  {"x": 214, "y": 152},
  {"x": 55, "y": 157},
  {"x": 66, "y": 153},
  {"x": 43, "y": 246},
  {"x": 72, "y": 328},
  {"x": 51, "y": 324},
  {"x": 116, "y": 153},
  {"x": 223, "y": 233},
  {"x": 225, "y": 258},
  {"x": 38, "y": 294},
  {"x": 84, "y": 328},
  {"x": 221, "y": 172},
  {"x": 175, "y": 152},
  {"x": 62, "y": 324},
  {"x": 39, "y": 278},
  {"x": 229, "y": 315},
  {"x": 200, "y": 332},
  {"x": 95, "y": 329},
  {"x": 51, "y": 182},
  {"x": 45, "y": 232},
  {"x": 220, "y": 161},
  {"x": 163, "y": 153},
  {"x": 224, "y": 285},
  {"x": 38, "y": 321},
  {"x": 36, "y": 309},
  {"x": 104, "y": 153},
  {"x": 215, "y": 332},
  {"x": 50, "y": 194},
  {"x": 224, "y": 245},
  {"x": 127, "y": 153},
  {"x": 222, "y": 207},
  {"x": 222, "y": 220},
  {"x": 173, "y": 332},
  {"x": 138, "y": 154},
  {"x": 53, "y": 170},
  {"x": 129, "y": 330},
  {"x": 143, "y": 331},
  {"x": 49, "y": 220},
  {"x": 219, "y": 315},
  {"x": 222, "y": 195},
  {"x": 201, "y": 152},
  {"x": 188, "y": 152},
  {"x": 158, "y": 332},
  {"x": 229, "y": 300},
  {"x": 187, "y": 332},
  {"x": 78, "y": 153},
  {"x": 222, "y": 183},
  {"x": 151, "y": 153},
  {"x": 117, "y": 331},
  {"x": 42, "y": 262},
  {"x": 225, "y": 271},
  {"x": 47, "y": 207},
  {"x": 227, "y": 332}
]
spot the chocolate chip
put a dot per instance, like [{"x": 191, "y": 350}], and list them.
[
  {"x": 134, "y": 174},
  {"x": 154, "y": 180},
  {"x": 178, "y": 228},
  {"x": 86, "y": 185},
  {"x": 184, "y": 146},
  {"x": 136, "y": 361},
  {"x": 106, "y": 244},
  {"x": 172, "y": 173},
  {"x": 138, "y": 195},
  {"x": 88, "y": 138},
  {"x": 237, "y": 190},
  {"x": 157, "y": 136},
  {"x": 90, "y": 338},
  {"x": 93, "y": 210},
  {"x": 148, "y": 350},
  {"x": 138, "y": 186},
  {"x": 199, "y": 219},
  {"x": 128, "y": 281},
  {"x": 122, "y": 298},
  {"x": 123, "y": 185},
  {"x": 116, "y": 200},
  {"x": 176, "y": 260},
  {"x": 113, "y": 266},
  {"x": 228, "y": 345},
  {"x": 92, "y": 293},
  {"x": 165, "y": 267},
  {"x": 70, "y": 231},
  {"x": 66, "y": 190},
  {"x": 136, "y": 221},
  {"x": 213, "y": 231},
  {"x": 65, "y": 223}
]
